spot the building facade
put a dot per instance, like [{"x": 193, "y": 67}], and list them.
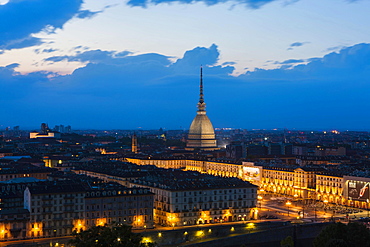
[
  {"x": 131, "y": 206},
  {"x": 55, "y": 209},
  {"x": 206, "y": 200}
]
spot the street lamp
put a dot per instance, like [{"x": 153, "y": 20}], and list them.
[
  {"x": 259, "y": 198},
  {"x": 288, "y": 203},
  {"x": 326, "y": 204}
]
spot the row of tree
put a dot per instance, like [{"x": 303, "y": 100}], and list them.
[{"x": 118, "y": 235}]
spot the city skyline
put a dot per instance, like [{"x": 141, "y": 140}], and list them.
[{"x": 129, "y": 64}]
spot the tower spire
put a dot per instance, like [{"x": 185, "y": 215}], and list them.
[
  {"x": 201, "y": 99},
  {"x": 201, "y": 104}
]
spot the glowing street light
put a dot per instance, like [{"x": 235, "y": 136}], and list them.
[{"x": 288, "y": 203}]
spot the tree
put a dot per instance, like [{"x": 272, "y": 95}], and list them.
[
  {"x": 287, "y": 242},
  {"x": 339, "y": 234},
  {"x": 106, "y": 236}
]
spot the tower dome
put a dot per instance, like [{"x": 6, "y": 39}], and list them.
[{"x": 201, "y": 133}]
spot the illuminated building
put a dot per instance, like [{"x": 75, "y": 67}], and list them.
[
  {"x": 54, "y": 208},
  {"x": 209, "y": 167},
  {"x": 14, "y": 224},
  {"x": 34, "y": 135},
  {"x": 186, "y": 196},
  {"x": 57, "y": 208},
  {"x": 134, "y": 144},
  {"x": 131, "y": 206},
  {"x": 189, "y": 198},
  {"x": 160, "y": 163},
  {"x": 201, "y": 133},
  {"x": 44, "y": 133},
  {"x": 300, "y": 181},
  {"x": 329, "y": 187}
]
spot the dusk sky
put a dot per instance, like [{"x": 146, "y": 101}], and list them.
[{"x": 302, "y": 64}]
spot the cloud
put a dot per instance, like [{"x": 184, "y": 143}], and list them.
[
  {"x": 349, "y": 63},
  {"x": 87, "y": 56},
  {"x": 189, "y": 63},
  {"x": 228, "y": 63},
  {"x": 15, "y": 86},
  {"x": 291, "y": 61},
  {"x": 50, "y": 50},
  {"x": 151, "y": 91},
  {"x": 21, "y": 43},
  {"x": 12, "y": 66},
  {"x": 19, "y": 19},
  {"x": 82, "y": 14},
  {"x": 198, "y": 56},
  {"x": 334, "y": 48},
  {"x": 253, "y": 4},
  {"x": 296, "y": 44}
]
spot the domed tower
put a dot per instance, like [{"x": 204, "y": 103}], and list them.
[{"x": 201, "y": 133}]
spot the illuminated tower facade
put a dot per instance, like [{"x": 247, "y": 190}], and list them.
[
  {"x": 201, "y": 133},
  {"x": 134, "y": 144}
]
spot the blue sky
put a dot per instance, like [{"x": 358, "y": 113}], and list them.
[{"x": 103, "y": 64}]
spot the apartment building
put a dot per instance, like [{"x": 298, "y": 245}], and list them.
[
  {"x": 56, "y": 208},
  {"x": 109, "y": 204},
  {"x": 188, "y": 198}
]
